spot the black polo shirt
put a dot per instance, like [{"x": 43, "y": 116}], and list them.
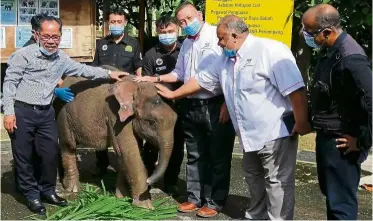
[
  {"x": 160, "y": 61},
  {"x": 125, "y": 55}
]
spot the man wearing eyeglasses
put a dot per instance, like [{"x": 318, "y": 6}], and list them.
[
  {"x": 341, "y": 100},
  {"x": 31, "y": 76}
]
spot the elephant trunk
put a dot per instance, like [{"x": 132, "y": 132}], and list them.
[{"x": 165, "y": 151}]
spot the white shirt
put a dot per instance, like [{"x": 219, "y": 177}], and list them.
[
  {"x": 255, "y": 88},
  {"x": 197, "y": 55}
]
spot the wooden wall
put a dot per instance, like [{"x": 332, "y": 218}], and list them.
[{"x": 76, "y": 14}]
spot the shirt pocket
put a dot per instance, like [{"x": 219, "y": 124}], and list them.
[
  {"x": 105, "y": 58},
  {"x": 126, "y": 59},
  {"x": 246, "y": 79}
]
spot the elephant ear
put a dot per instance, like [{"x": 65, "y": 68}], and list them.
[{"x": 124, "y": 93}]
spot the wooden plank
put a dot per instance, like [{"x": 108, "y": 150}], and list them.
[
  {"x": 76, "y": 14},
  {"x": 9, "y": 36}
]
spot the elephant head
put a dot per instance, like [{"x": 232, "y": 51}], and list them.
[{"x": 153, "y": 120}]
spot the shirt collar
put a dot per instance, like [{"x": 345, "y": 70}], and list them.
[
  {"x": 245, "y": 47},
  {"x": 123, "y": 40},
  {"x": 337, "y": 44},
  {"x": 159, "y": 48}
]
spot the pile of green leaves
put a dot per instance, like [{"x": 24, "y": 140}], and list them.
[{"x": 94, "y": 204}]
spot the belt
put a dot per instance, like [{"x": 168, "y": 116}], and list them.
[
  {"x": 31, "y": 106},
  {"x": 199, "y": 102}
]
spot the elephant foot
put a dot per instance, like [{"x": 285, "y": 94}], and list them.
[
  {"x": 147, "y": 204},
  {"x": 71, "y": 184}
]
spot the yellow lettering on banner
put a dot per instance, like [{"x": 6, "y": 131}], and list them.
[{"x": 265, "y": 18}]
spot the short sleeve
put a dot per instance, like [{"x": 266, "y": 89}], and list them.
[
  {"x": 283, "y": 73},
  {"x": 147, "y": 66},
  {"x": 209, "y": 78}
]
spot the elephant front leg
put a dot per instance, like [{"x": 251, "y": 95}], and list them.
[
  {"x": 134, "y": 168},
  {"x": 122, "y": 188},
  {"x": 71, "y": 174}
]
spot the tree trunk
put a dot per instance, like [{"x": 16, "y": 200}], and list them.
[
  {"x": 105, "y": 16},
  {"x": 149, "y": 21},
  {"x": 141, "y": 24}
]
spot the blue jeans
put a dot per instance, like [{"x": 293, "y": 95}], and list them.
[{"x": 339, "y": 177}]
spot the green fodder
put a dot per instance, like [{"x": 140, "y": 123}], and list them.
[{"x": 94, "y": 204}]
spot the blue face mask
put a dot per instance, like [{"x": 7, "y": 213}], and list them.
[
  {"x": 45, "y": 52},
  {"x": 167, "y": 39},
  {"x": 116, "y": 30},
  {"x": 229, "y": 53},
  {"x": 193, "y": 28},
  {"x": 310, "y": 41}
]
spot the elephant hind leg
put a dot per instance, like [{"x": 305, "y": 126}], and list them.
[{"x": 67, "y": 141}]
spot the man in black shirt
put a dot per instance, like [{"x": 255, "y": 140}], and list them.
[
  {"x": 341, "y": 100},
  {"x": 35, "y": 26},
  {"x": 119, "y": 50},
  {"x": 160, "y": 60}
]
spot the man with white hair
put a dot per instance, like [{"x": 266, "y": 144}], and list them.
[{"x": 265, "y": 95}]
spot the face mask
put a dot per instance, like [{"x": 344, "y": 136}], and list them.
[
  {"x": 193, "y": 28},
  {"x": 229, "y": 53},
  {"x": 116, "y": 30},
  {"x": 310, "y": 41},
  {"x": 167, "y": 39},
  {"x": 44, "y": 51}
]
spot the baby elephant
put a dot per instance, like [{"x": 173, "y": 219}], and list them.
[{"x": 105, "y": 114}]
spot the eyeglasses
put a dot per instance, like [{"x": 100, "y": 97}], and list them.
[
  {"x": 313, "y": 34},
  {"x": 47, "y": 37}
]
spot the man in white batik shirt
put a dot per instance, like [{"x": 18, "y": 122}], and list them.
[{"x": 265, "y": 95}]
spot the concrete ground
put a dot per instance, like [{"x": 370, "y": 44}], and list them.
[{"x": 310, "y": 204}]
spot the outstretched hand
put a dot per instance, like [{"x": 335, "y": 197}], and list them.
[
  {"x": 115, "y": 75},
  {"x": 64, "y": 94},
  {"x": 145, "y": 79},
  {"x": 164, "y": 91}
]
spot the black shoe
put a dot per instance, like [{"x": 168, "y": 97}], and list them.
[
  {"x": 55, "y": 200},
  {"x": 36, "y": 207}
]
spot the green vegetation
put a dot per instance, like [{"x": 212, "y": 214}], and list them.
[{"x": 94, "y": 204}]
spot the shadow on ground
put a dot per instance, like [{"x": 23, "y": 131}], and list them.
[{"x": 309, "y": 201}]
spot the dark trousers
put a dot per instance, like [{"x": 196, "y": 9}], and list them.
[
  {"x": 339, "y": 177},
  {"x": 209, "y": 147},
  {"x": 150, "y": 156},
  {"x": 102, "y": 159},
  {"x": 35, "y": 151}
]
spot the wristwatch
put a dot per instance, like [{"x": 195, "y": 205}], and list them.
[
  {"x": 158, "y": 78},
  {"x": 109, "y": 72}
]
